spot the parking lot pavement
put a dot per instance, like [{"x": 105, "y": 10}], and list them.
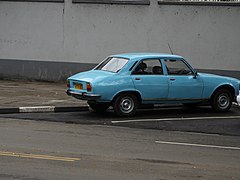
[
  {"x": 15, "y": 94},
  {"x": 179, "y": 118}
]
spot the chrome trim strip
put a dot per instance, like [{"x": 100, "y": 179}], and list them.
[{"x": 176, "y": 99}]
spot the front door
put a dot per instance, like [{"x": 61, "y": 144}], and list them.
[{"x": 183, "y": 85}]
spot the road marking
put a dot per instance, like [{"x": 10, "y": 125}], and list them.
[
  {"x": 37, "y": 156},
  {"x": 197, "y": 145},
  {"x": 175, "y": 119}
]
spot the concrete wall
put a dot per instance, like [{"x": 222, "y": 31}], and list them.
[{"x": 208, "y": 36}]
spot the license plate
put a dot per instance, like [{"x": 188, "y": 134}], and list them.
[{"x": 78, "y": 86}]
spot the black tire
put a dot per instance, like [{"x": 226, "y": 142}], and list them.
[
  {"x": 125, "y": 104},
  {"x": 99, "y": 107},
  {"x": 221, "y": 100}
]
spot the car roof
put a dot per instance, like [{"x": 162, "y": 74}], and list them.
[{"x": 146, "y": 55}]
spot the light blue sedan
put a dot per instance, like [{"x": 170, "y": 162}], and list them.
[{"x": 128, "y": 81}]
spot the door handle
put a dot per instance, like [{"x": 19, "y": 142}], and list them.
[
  {"x": 172, "y": 79},
  {"x": 137, "y": 78}
]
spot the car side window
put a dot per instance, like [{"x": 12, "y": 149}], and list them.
[
  {"x": 177, "y": 67},
  {"x": 149, "y": 67}
]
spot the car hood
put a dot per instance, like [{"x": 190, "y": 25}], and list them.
[{"x": 91, "y": 76}]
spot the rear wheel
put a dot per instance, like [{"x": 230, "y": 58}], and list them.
[
  {"x": 125, "y": 104},
  {"x": 221, "y": 100},
  {"x": 98, "y": 107}
]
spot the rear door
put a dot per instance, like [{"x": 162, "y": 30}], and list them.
[{"x": 149, "y": 80}]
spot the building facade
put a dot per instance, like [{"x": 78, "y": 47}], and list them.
[{"x": 49, "y": 40}]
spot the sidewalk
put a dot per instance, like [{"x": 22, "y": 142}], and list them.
[
  {"x": 40, "y": 96},
  {"x": 14, "y": 94}
]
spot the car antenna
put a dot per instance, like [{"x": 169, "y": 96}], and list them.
[{"x": 170, "y": 48}]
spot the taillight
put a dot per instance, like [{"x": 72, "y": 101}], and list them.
[
  {"x": 68, "y": 84},
  {"x": 89, "y": 87}
]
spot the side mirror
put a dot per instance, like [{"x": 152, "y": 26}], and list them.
[{"x": 195, "y": 74}]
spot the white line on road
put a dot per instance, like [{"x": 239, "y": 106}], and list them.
[
  {"x": 197, "y": 145},
  {"x": 175, "y": 119}
]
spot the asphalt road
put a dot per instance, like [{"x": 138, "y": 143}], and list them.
[
  {"x": 35, "y": 150},
  {"x": 164, "y": 143}
]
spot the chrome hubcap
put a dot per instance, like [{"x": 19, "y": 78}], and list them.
[
  {"x": 126, "y": 105},
  {"x": 223, "y": 101}
]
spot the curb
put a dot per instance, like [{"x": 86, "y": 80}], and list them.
[{"x": 43, "y": 109}]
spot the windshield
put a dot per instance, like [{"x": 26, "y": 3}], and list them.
[{"x": 112, "y": 64}]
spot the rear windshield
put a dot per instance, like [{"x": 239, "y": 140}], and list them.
[{"x": 112, "y": 64}]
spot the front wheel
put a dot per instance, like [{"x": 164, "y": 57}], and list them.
[
  {"x": 125, "y": 104},
  {"x": 221, "y": 100}
]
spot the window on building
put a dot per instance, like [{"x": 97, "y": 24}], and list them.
[
  {"x": 201, "y": 2},
  {"x": 124, "y": 2},
  {"x": 54, "y": 1}
]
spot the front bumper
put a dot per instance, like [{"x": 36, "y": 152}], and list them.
[{"x": 83, "y": 96}]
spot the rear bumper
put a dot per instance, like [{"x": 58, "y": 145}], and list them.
[{"x": 83, "y": 96}]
